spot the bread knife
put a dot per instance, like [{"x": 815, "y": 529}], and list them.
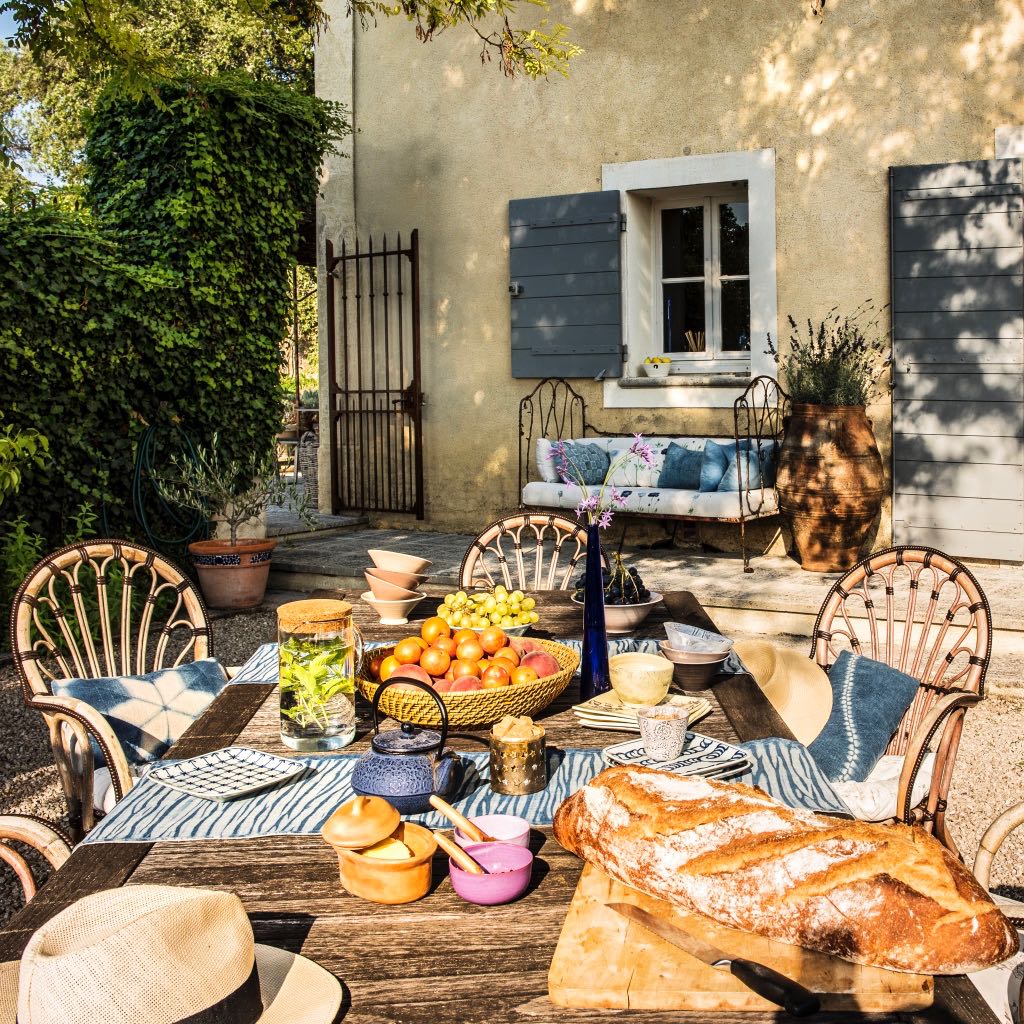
[{"x": 776, "y": 988}]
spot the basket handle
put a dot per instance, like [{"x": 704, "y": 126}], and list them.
[{"x": 420, "y": 686}]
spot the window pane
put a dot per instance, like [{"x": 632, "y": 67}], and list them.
[
  {"x": 682, "y": 242},
  {"x": 733, "y": 221},
  {"x": 683, "y": 312},
  {"x": 735, "y": 316}
]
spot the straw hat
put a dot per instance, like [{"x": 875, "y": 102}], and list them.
[
  {"x": 795, "y": 686},
  {"x": 158, "y": 954}
]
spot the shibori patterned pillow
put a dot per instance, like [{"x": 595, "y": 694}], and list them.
[{"x": 148, "y": 713}]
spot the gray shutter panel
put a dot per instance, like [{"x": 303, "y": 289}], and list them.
[
  {"x": 565, "y": 285},
  {"x": 957, "y": 238}
]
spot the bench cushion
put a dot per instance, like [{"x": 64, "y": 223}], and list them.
[
  {"x": 655, "y": 501},
  {"x": 630, "y": 475}
]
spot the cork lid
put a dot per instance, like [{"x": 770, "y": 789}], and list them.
[
  {"x": 361, "y": 822},
  {"x": 312, "y": 616}
]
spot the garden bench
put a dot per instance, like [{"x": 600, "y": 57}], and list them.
[{"x": 555, "y": 411}]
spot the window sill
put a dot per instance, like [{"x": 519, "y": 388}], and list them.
[{"x": 688, "y": 380}]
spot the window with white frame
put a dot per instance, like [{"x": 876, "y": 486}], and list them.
[{"x": 701, "y": 255}]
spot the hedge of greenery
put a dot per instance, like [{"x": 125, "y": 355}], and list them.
[{"x": 165, "y": 303}]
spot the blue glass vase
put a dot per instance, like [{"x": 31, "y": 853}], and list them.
[{"x": 594, "y": 677}]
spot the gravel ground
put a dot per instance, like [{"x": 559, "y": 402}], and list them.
[{"x": 989, "y": 772}]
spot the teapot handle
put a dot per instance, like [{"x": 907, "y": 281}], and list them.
[{"x": 421, "y": 686}]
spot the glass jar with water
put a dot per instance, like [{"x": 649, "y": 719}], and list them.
[{"x": 320, "y": 649}]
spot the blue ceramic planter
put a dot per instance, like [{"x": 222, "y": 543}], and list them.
[{"x": 594, "y": 676}]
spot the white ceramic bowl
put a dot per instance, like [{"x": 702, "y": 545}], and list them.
[
  {"x": 398, "y": 561},
  {"x": 392, "y": 613},
  {"x": 384, "y": 591},
  {"x": 407, "y": 580},
  {"x": 624, "y": 618},
  {"x": 657, "y": 369},
  {"x": 640, "y": 680},
  {"x": 691, "y": 657}
]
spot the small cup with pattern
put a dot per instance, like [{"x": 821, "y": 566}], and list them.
[{"x": 663, "y": 730}]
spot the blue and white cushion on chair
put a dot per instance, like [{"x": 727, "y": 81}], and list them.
[{"x": 148, "y": 713}]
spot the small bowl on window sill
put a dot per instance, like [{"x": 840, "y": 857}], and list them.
[{"x": 659, "y": 370}]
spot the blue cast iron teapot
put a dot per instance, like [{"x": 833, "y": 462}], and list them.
[{"x": 407, "y": 766}]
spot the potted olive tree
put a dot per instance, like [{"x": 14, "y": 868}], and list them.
[
  {"x": 232, "y": 571},
  {"x": 830, "y": 480}
]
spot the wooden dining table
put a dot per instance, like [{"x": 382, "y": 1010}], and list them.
[{"x": 439, "y": 959}]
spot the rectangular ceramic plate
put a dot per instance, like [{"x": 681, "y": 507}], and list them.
[
  {"x": 631, "y": 725},
  {"x": 701, "y": 755},
  {"x": 226, "y": 774}
]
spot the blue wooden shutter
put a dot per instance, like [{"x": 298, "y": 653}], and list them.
[
  {"x": 958, "y": 344},
  {"x": 565, "y": 285}
]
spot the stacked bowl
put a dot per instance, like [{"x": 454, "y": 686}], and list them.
[
  {"x": 697, "y": 654},
  {"x": 394, "y": 580}
]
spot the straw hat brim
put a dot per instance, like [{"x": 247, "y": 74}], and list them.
[{"x": 294, "y": 990}]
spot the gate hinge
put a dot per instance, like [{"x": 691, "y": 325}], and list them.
[
  {"x": 625, "y": 353},
  {"x": 622, "y": 222}
]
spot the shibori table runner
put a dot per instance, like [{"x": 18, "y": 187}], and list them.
[{"x": 152, "y": 813}]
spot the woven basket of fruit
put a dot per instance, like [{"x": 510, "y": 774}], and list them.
[{"x": 481, "y": 676}]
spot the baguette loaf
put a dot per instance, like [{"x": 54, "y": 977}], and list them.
[{"x": 886, "y": 895}]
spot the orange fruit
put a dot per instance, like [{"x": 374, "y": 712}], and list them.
[
  {"x": 434, "y": 627},
  {"x": 469, "y": 650},
  {"x": 494, "y": 677},
  {"x": 408, "y": 651},
  {"x": 492, "y": 639},
  {"x": 524, "y": 674},
  {"x": 508, "y": 654},
  {"x": 388, "y": 667},
  {"x": 435, "y": 661},
  {"x": 446, "y": 644},
  {"x": 464, "y": 668},
  {"x": 461, "y": 635}
]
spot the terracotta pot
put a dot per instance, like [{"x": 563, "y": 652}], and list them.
[
  {"x": 830, "y": 484},
  {"x": 233, "y": 576}
]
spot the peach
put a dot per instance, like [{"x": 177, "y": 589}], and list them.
[
  {"x": 465, "y": 684},
  {"x": 523, "y": 645},
  {"x": 541, "y": 662},
  {"x": 411, "y": 672}
]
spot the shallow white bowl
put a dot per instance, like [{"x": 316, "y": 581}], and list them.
[
  {"x": 392, "y": 613},
  {"x": 624, "y": 618},
  {"x": 398, "y": 561}
]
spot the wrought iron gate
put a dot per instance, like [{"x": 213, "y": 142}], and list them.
[{"x": 373, "y": 335}]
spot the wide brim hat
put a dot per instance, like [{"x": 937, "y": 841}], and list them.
[
  {"x": 150, "y": 954},
  {"x": 795, "y": 686}
]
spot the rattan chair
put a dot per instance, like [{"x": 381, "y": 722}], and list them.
[
  {"x": 921, "y": 612},
  {"x": 525, "y": 551},
  {"x": 99, "y": 608},
  {"x": 38, "y": 834}
]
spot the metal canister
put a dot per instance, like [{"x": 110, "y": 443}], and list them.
[{"x": 519, "y": 766}]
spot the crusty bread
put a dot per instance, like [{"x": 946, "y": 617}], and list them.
[{"x": 886, "y": 895}]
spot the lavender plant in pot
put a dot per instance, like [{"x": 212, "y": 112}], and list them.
[{"x": 232, "y": 570}]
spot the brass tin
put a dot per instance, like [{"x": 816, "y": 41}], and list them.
[{"x": 518, "y": 766}]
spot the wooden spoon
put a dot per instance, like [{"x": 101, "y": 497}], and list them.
[
  {"x": 460, "y": 821},
  {"x": 459, "y": 855}
]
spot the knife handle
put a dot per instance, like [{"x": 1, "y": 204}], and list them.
[{"x": 796, "y": 1000}]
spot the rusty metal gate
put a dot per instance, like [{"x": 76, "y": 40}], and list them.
[{"x": 373, "y": 335}]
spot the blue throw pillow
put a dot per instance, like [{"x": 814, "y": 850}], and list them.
[
  {"x": 760, "y": 466},
  {"x": 785, "y": 770},
  {"x": 150, "y": 712},
  {"x": 869, "y": 698},
  {"x": 681, "y": 469},
  {"x": 588, "y": 461},
  {"x": 714, "y": 463}
]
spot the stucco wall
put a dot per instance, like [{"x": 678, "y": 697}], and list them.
[{"x": 444, "y": 142}]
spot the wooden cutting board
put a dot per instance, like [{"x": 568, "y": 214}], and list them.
[{"x": 605, "y": 961}]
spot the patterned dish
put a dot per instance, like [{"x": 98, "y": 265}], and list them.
[
  {"x": 702, "y": 755},
  {"x": 226, "y": 774}
]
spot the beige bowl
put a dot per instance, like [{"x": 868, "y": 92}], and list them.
[
  {"x": 407, "y": 580},
  {"x": 385, "y": 591},
  {"x": 392, "y": 613},
  {"x": 640, "y": 680},
  {"x": 397, "y": 561},
  {"x": 691, "y": 657}
]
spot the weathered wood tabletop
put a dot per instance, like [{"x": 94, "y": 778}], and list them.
[{"x": 439, "y": 959}]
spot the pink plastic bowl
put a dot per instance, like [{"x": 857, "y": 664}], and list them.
[
  {"x": 505, "y": 828},
  {"x": 511, "y": 867}
]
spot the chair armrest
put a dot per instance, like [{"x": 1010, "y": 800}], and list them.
[
  {"x": 85, "y": 721},
  {"x": 38, "y": 834},
  {"x": 940, "y": 714},
  {"x": 1010, "y": 819}
]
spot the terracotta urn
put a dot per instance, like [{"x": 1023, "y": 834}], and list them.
[
  {"x": 233, "y": 575},
  {"x": 830, "y": 484}
]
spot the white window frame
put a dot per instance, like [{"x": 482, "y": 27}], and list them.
[
  {"x": 642, "y": 183},
  {"x": 713, "y": 358}
]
